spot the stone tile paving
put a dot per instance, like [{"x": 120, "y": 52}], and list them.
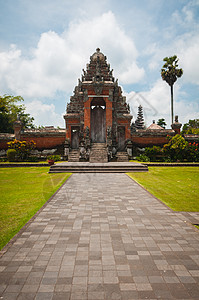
[{"x": 103, "y": 237}]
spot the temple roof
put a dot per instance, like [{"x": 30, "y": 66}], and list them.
[
  {"x": 98, "y": 55},
  {"x": 98, "y": 69},
  {"x": 154, "y": 126}
]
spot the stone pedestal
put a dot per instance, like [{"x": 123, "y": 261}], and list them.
[
  {"x": 176, "y": 125},
  {"x": 17, "y": 129}
]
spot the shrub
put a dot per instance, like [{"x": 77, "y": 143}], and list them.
[
  {"x": 11, "y": 155},
  {"x": 179, "y": 149},
  {"x": 155, "y": 153},
  {"x": 176, "y": 147},
  {"x": 22, "y": 148},
  {"x": 143, "y": 157},
  {"x": 54, "y": 157},
  {"x": 192, "y": 152},
  {"x": 33, "y": 159},
  {"x": 3, "y": 159}
]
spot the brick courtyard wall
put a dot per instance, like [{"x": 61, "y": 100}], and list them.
[
  {"x": 149, "y": 138},
  {"x": 45, "y": 142},
  {"x": 4, "y": 139}
]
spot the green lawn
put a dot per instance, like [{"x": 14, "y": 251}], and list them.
[
  {"x": 23, "y": 191},
  {"x": 177, "y": 187}
]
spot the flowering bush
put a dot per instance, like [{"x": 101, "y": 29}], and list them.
[
  {"x": 192, "y": 152},
  {"x": 22, "y": 148},
  {"x": 179, "y": 149}
]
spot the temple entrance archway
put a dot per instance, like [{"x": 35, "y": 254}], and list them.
[
  {"x": 98, "y": 120},
  {"x": 74, "y": 137}
]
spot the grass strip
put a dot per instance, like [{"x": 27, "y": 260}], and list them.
[
  {"x": 177, "y": 187},
  {"x": 23, "y": 191}
]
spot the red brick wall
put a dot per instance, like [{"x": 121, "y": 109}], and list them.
[
  {"x": 45, "y": 142},
  {"x": 149, "y": 140},
  {"x": 3, "y": 144},
  {"x": 108, "y": 112},
  {"x": 87, "y": 113}
]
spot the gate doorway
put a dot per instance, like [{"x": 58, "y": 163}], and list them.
[
  {"x": 74, "y": 137},
  {"x": 121, "y": 138},
  {"x": 98, "y": 120}
]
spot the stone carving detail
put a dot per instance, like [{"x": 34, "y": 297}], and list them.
[
  {"x": 98, "y": 88},
  {"x": 87, "y": 131}
]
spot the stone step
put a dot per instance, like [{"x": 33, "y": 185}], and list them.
[
  {"x": 98, "y": 153},
  {"x": 122, "y": 157},
  {"x": 98, "y": 167},
  {"x": 73, "y": 156}
]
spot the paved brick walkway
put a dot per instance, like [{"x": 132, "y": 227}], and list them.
[{"x": 103, "y": 237}]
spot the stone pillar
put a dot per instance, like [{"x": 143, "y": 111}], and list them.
[
  {"x": 176, "y": 126},
  {"x": 87, "y": 113},
  {"x": 108, "y": 112},
  {"x": 17, "y": 129}
]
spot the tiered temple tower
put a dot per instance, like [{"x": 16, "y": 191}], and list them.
[{"x": 97, "y": 112}]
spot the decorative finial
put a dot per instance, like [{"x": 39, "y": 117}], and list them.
[{"x": 98, "y": 49}]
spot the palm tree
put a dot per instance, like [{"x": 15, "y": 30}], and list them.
[{"x": 170, "y": 73}]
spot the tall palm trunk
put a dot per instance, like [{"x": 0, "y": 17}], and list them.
[{"x": 172, "y": 104}]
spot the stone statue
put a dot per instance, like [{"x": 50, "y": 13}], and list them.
[
  {"x": 109, "y": 132},
  {"x": 176, "y": 119},
  {"x": 87, "y": 132}
]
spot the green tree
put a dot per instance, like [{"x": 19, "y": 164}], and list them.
[
  {"x": 170, "y": 73},
  {"x": 176, "y": 147},
  {"x": 162, "y": 123},
  {"x": 10, "y": 110},
  {"x": 191, "y": 127}
]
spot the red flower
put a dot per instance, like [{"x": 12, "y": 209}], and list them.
[{"x": 190, "y": 144}]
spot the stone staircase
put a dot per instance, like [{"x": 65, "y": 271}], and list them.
[
  {"x": 98, "y": 153},
  {"x": 122, "y": 156},
  {"x": 73, "y": 155},
  {"x": 87, "y": 167}
]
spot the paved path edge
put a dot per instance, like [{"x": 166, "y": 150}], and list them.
[{"x": 23, "y": 228}]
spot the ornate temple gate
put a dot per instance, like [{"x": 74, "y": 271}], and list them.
[
  {"x": 100, "y": 111},
  {"x": 98, "y": 121}
]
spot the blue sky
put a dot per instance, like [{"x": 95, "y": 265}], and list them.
[{"x": 44, "y": 45}]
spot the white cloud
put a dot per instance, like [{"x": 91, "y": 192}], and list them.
[
  {"x": 156, "y": 104},
  {"x": 189, "y": 59},
  {"x": 56, "y": 62},
  {"x": 44, "y": 114}
]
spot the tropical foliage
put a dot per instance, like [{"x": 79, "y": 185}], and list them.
[
  {"x": 170, "y": 73},
  {"x": 22, "y": 148},
  {"x": 162, "y": 123},
  {"x": 192, "y": 127},
  {"x": 177, "y": 149},
  {"x": 10, "y": 110}
]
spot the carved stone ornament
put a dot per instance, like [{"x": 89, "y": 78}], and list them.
[{"x": 98, "y": 87}]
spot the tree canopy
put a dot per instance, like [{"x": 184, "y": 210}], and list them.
[
  {"x": 10, "y": 110},
  {"x": 170, "y": 73},
  {"x": 192, "y": 127},
  {"x": 162, "y": 123}
]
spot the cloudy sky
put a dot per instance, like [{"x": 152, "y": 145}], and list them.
[{"x": 45, "y": 44}]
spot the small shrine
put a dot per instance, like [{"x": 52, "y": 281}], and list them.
[{"x": 98, "y": 119}]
